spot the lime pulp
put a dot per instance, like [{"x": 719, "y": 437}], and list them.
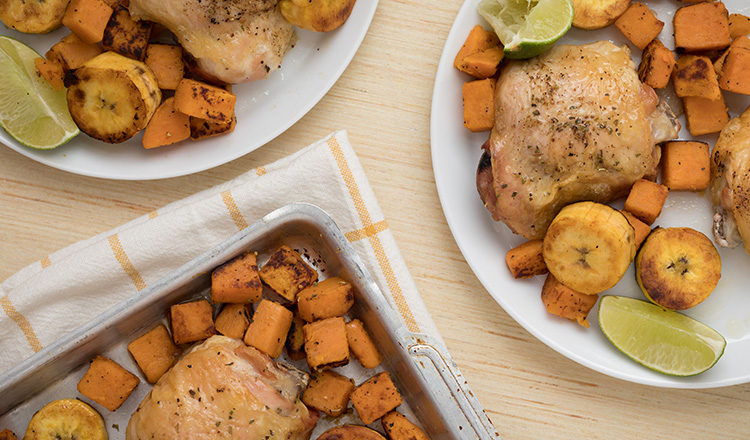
[
  {"x": 665, "y": 341},
  {"x": 31, "y": 111}
]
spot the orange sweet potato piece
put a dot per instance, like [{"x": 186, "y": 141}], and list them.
[
  {"x": 694, "y": 75},
  {"x": 686, "y": 165},
  {"x": 565, "y": 302},
  {"x": 71, "y": 52},
  {"x": 52, "y": 71},
  {"x": 192, "y": 321},
  {"x": 641, "y": 229},
  {"x": 126, "y": 35},
  {"x": 202, "y": 128},
  {"x": 741, "y": 41},
  {"x": 484, "y": 64},
  {"x": 705, "y": 115},
  {"x": 526, "y": 260},
  {"x": 361, "y": 345},
  {"x": 735, "y": 71},
  {"x": 237, "y": 280},
  {"x": 325, "y": 343},
  {"x": 232, "y": 321},
  {"x": 154, "y": 352},
  {"x": 701, "y": 27},
  {"x": 107, "y": 383},
  {"x": 477, "y": 41},
  {"x": 287, "y": 273},
  {"x": 328, "y": 392},
  {"x": 205, "y": 101},
  {"x": 165, "y": 60},
  {"x": 87, "y": 19},
  {"x": 657, "y": 63},
  {"x": 398, "y": 427},
  {"x": 267, "y": 332},
  {"x": 479, "y": 104},
  {"x": 7, "y": 434},
  {"x": 646, "y": 199},
  {"x": 375, "y": 398},
  {"x": 166, "y": 127},
  {"x": 639, "y": 25},
  {"x": 295, "y": 339},
  {"x": 739, "y": 25},
  {"x": 331, "y": 297}
]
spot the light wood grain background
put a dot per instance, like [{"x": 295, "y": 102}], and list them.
[{"x": 383, "y": 99}]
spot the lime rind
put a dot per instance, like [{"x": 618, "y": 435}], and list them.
[
  {"x": 31, "y": 110},
  {"x": 662, "y": 340}
]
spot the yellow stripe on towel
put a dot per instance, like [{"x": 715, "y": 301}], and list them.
[
  {"x": 127, "y": 266},
  {"x": 22, "y": 323},
  {"x": 370, "y": 231},
  {"x": 234, "y": 211}
]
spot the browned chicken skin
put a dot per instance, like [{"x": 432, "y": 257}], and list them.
[{"x": 570, "y": 125}]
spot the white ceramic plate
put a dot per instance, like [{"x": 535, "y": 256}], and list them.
[
  {"x": 455, "y": 155},
  {"x": 264, "y": 109}
]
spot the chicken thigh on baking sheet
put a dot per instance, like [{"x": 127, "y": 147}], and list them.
[
  {"x": 227, "y": 41},
  {"x": 573, "y": 124}
]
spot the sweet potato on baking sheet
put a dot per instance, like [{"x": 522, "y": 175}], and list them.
[
  {"x": 154, "y": 352},
  {"x": 398, "y": 427},
  {"x": 325, "y": 343},
  {"x": 232, "y": 321},
  {"x": 287, "y": 273},
  {"x": 361, "y": 344},
  {"x": 237, "y": 280},
  {"x": 107, "y": 383},
  {"x": 375, "y": 398},
  {"x": 267, "y": 332},
  {"x": 191, "y": 321},
  {"x": 328, "y": 392},
  {"x": 331, "y": 297}
]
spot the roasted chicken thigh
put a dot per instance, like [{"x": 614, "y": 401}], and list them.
[{"x": 573, "y": 124}]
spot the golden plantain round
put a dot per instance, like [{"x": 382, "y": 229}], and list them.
[
  {"x": 66, "y": 419},
  {"x": 597, "y": 14},
  {"x": 589, "y": 247},
  {"x": 677, "y": 268}
]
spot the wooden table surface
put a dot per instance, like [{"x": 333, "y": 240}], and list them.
[{"x": 383, "y": 99}]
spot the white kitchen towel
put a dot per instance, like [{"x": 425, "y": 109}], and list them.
[{"x": 54, "y": 296}]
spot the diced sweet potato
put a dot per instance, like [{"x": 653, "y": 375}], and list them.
[
  {"x": 52, "y": 71},
  {"x": 154, "y": 352},
  {"x": 657, "y": 63},
  {"x": 7, "y": 434},
  {"x": 295, "y": 339},
  {"x": 526, "y": 260},
  {"x": 484, "y": 64},
  {"x": 328, "y": 392},
  {"x": 232, "y": 321},
  {"x": 331, "y": 297},
  {"x": 705, "y": 115},
  {"x": 694, "y": 75},
  {"x": 71, "y": 52},
  {"x": 361, "y": 345},
  {"x": 701, "y": 27},
  {"x": 641, "y": 229},
  {"x": 192, "y": 321},
  {"x": 398, "y": 427},
  {"x": 739, "y": 25},
  {"x": 375, "y": 398},
  {"x": 166, "y": 127},
  {"x": 237, "y": 280},
  {"x": 125, "y": 35},
  {"x": 287, "y": 273},
  {"x": 202, "y": 128},
  {"x": 325, "y": 343},
  {"x": 686, "y": 165},
  {"x": 107, "y": 383},
  {"x": 205, "y": 101},
  {"x": 479, "y": 104},
  {"x": 639, "y": 25},
  {"x": 646, "y": 200},
  {"x": 269, "y": 327},
  {"x": 165, "y": 60},
  {"x": 565, "y": 302},
  {"x": 735, "y": 71},
  {"x": 87, "y": 19},
  {"x": 477, "y": 41}
]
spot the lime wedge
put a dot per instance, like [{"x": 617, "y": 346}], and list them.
[
  {"x": 31, "y": 111},
  {"x": 666, "y": 341},
  {"x": 527, "y": 28}
]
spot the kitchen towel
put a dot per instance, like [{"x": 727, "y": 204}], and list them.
[{"x": 54, "y": 296}]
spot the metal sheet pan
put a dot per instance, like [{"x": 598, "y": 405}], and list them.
[{"x": 435, "y": 393}]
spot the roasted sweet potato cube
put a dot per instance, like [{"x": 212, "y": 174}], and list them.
[
  {"x": 361, "y": 344},
  {"x": 477, "y": 41},
  {"x": 484, "y": 64},
  {"x": 154, "y": 352},
  {"x": 295, "y": 339},
  {"x": 237, "y": 280},
  {"x": 694, "y": 75},
  {"x": 641, "y": 229},
  {"x": 71, "y": 52},
  {"x": 701, "y": 27},
  {"x": 165, "y": 60},
  {"x": 205, "y": 101},
  {"x": 328, "y": 392},
  {"x": 479, "y": 104},
  {"x": 639, "y": 25},
  {"x": 331, "y": 297},
  {"x": 398, "y": 427},
  {"x": 107, "y": 383},
  {"x": 202, "y": 128},
  {"x": 7, "y": 434},
  {"x": 269, "y": 327},
  {"x": 287, "y": 273},
  {"x": 52, "y": 71},
  {"x": 565, "y": 302},
  {"x": 167, "y": 126},
  {"x": 325, "y": 343},
  {"x": 739, "y": 25},
  {"x": 735, "y": 71},
  {"x": 705, "y": 115},
  {"x": 686, "y": 165},
  {"x": 526, "y": 260},
  {"x": 646, "y": 200},
  {"x": 232, "y": 321},
  {"x": 657, "y": 63},
  {"x": 126, "y": 35},
  {"x": 87, "y": 19},
  {"x": 192, "y": 321},
  {"x": 375, "y": 398}
]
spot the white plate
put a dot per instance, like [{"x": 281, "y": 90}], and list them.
[
  {"x": 455, "y": 155},
  {"x": 264, "y": 109}
]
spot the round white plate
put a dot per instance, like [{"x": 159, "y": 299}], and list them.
[
  {"x": 455, "y": 155},
  {"x": 264, "y": 110}
]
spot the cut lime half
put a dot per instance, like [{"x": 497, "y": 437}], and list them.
[
  {"x": 666, "y": 341},
  {"x": 31, "y": 111},
  {"x": 527, "y": 28}
]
